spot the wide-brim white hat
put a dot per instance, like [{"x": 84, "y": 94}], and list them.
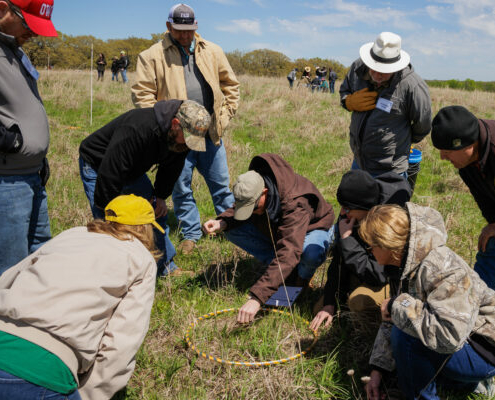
[{"x": 385, "y": 54}]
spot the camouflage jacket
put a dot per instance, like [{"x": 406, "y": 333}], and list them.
[{"x": 445, "y": 300}]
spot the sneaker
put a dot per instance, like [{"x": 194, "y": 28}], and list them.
[{"x": 186, "y": 246}]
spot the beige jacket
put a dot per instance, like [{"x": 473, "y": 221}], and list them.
[
  {"x": 160, "y": 76},
  {"x": 87, "y": 298}
]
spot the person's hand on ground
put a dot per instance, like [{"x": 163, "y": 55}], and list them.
[
  {"x": 362, "y": 100},
  {"x": 214, "y": 225},
  {"x": 326, "y": 314},
  {"x": 160, "y": 208},
  {"x": 373, "y": 391},
  {"x": 486, "y": 233},
  {"x": 248, "y": 311}
]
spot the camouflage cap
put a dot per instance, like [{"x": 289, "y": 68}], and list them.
[{"x": 195, "y": 122}]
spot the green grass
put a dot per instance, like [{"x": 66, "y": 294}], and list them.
[{"x": 311, "y": 132}]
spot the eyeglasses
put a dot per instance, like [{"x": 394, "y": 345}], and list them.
[
  {"x": 18, "y": 12},
  {"x": 346, "y": 210}
]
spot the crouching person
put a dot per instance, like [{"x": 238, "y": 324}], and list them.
[
  {"x": 280, "y": 218},
  {"x": 354, "y": 276},
  {"x": 74, "y": 313},
  {"x": 439, "y": 325}
]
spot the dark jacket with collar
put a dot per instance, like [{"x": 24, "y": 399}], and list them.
[
  {"x": 350, "y": 257},
  {"x": 127, "y": 147},
  {"x": 303, "y": 209},
  {"x": 480, "y": 177},
  {"x": 381, "y": 141}
]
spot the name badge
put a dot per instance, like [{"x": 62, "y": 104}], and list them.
[{"x": 384, "y": 104}]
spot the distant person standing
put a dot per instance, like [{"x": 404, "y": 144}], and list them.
[
  {"x": 332, "y": 77},
  {"x": 185, "y": 66},
  {"x": 123, "y": 65},
  {"x": 292, "y": 77},
  {"x": 469, "y": 144},
  {"x": 115, "y": 68},
  {"x": 390, "y": 105},
  {"x": 101, "y": 63},
  {"x": 24, "y": 133}
]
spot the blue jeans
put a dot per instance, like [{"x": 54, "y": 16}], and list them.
[
  {"x": 12, "y": 387},
  {"x": 24, "y": 223},
  {"x": 485, "y": 263},
  {"x": 140, "y": 187},
  {"x": 316, "y": 244},
  {"x": 212, "y": 164},
  {"x": 123, "y": 72},
  {"x": 416, "y": 366},
  {"x": 115, "y": 76},
  {"x": 332, "y": 86}
]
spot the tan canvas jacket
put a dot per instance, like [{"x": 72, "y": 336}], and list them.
[
  {"x": 160, "y": 76},
  {"x": 85, "y": 297},
  {"x": 446, "y": 300}
]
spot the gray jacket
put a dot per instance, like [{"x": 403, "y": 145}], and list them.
[
  {"x": 381, "y": 141},
  {"x": 21, "y": 105},
  {"x": 445, "y": 303}
]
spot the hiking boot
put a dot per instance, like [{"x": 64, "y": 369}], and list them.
[
  {"x": 186, "y": 246},
  {"x": 180, "y": 272}
]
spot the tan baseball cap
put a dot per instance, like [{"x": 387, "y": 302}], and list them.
[
  {"x": 247, "y": 190},
  {"x": 195, "y": 122}
]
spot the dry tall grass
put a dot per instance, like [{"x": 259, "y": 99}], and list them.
[{"x": 311, "y": 131}]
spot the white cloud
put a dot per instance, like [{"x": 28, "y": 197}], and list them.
[
  {"x": 225, "y": 2},
  {"x": 251, "y": 26},
  {"x": 475, "y": 15}
]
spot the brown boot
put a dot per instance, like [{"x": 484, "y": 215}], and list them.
[
  {"x": 186, "y": 246},
  {"x": 180, "y": 272}
]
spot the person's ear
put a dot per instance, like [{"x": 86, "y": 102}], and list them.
[
  {"x": 175, "y": 123},
  {"x": 4, "y": 8},
  {"x": 169, "y": 26},
  {"x": 264, "y": 191}
]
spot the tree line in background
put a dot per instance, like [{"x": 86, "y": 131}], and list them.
[{"x": 74, "y": 52}]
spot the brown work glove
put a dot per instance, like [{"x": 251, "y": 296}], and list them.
[{"x": 362, "y": 100}]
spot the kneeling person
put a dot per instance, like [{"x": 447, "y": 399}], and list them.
[
  {"x": 74, "y": 313},
  {"x": 276, "y": 209},
  {"x": 354, "y": 275}
]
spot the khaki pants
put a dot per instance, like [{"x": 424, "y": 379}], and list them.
[{"x": 366, "y": 298}]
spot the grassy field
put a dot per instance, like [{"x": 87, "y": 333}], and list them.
[{"x": 310, "y": 130}]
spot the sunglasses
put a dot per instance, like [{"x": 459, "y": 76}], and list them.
[
  {"x": 18, "y": 12},
  {"x": 346, "y": 210}
]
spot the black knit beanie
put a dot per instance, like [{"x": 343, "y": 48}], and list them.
[
  {"x": 454, "y": 128},
  {"x": 358, "y": 190}
]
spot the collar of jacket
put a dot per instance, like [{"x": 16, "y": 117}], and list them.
[
  {"x": 167, "y": 41},
  {"x": 9, "y": 40}
]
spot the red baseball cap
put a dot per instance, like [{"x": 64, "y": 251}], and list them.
[{"x": 37, "y": 14}]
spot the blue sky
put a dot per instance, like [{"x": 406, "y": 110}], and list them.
[{"x": 447, "y": 39}]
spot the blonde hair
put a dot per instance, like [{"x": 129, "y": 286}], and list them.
[
  {"x": 387, "y": 227},
  {"x": 144, "y": 233}
]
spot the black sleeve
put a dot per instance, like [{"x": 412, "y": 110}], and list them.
[
  {"x": 337, "y": 284},
  {"x": 10, "y": 139},
  {"x": 168, "y": 172},
  {"x": 118, "y": 164},
  {"x": 361, "y": 263}
]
